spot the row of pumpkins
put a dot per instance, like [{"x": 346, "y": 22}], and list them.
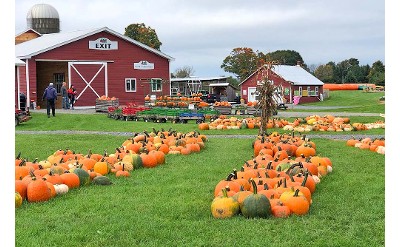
[
  {"x": 104, "y": 97},
  {"x": 366, "y": 143},
  {"x": 279, "y": 181},
  {"x": 310, "y": 123},
  {"x": 37, "y": 181}
]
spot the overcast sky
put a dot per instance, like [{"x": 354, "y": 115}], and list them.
[{"x": 202, "y": 33}]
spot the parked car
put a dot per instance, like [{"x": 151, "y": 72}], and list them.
[
  {"x": 212, "y": 97},
  {"x": 21, "y": 116}
]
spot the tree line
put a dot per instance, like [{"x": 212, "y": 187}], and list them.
[{"x": 243, "y": 61}]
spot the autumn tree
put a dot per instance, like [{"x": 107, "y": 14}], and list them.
[
  {"x": 146, "y": 35},
  {"x": 242, "y": 61},
  {"x": 325, "y": 72},
  {"x": 185, "y": 71},
  {"x": 285, "y": 57},
  {"x": 376, "y": 74}
]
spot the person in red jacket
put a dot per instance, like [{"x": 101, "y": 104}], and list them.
[
  {"x": 72, "y": 96},
  {"x": 50, "y": 95}
]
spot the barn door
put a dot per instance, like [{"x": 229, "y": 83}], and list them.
[
  {"x": 252, "y": 94},
  {"x": 90, "y": 81}
]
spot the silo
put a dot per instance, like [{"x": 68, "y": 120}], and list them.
[{"x": 43, "y": 18}]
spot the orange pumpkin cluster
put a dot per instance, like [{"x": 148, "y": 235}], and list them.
[
  {"x": 222, "y": 104},
  {"x": 285, "y": 169},
  {"x": 38, "y": 181},
  {"x": 103, "y": 97},
  {"x": 310, "y": 123},
  {"x": 366, "y": 143}
]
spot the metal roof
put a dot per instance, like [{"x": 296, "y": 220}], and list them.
[
  {"x": 54, "y": 40},
  {"x": 293, "y": 74},
  {"x": 225, "y": 84},
  {"x": 29, "y": 30},
  {"x": 297, "y": 75},
  {"x": 42, "y": 10},
  {"x": 199, "y": 78},
  {"x": 19, "y": 62}
]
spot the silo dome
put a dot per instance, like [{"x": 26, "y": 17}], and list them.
[{"x": 43, "y": 18}]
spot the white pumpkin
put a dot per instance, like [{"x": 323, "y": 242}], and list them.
[
  {"x": 380, "y": 150},
  {"x": 61, "y": 189},
  {"x": 316, "y": 179}
]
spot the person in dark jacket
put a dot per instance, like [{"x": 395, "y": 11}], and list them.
[
  {"x": 50, "y": 95},
  {"x": 64, "y": 95}
]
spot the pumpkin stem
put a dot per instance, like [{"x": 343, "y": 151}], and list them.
[
  {"x": 230, "y": 176},
  {"x": 18, "y": 156},
  {"x": 23, "y": 162},
  {"x": 224, "y": 193},
  {"x": 235, "y": 174},
  {"x": 269, "y": 165},
  {"x": 305, "y": 179},
  {"x": 253, "y": 183},
  {"x": 296, "y": 193}
]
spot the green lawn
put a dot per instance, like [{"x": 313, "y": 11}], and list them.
[{"x": 170, "y": 205}]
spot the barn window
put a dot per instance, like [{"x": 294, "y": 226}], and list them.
[
  {"x": 130, "y": 85},
  {"x": 316, "y": 91},
  {"x": 155, "y": 85},
  {"x": 300, "y": 91},
  {"x": 58, "y": 79},
  {"x": 310, "y": 93}
]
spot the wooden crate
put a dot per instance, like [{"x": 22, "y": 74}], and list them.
[
  {"x": 224, "y": 110},
  {"x": 102, "y": 105},
  {"x": 253, "y": 111}
]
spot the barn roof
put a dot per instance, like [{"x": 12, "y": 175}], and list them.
[
  {"x": 293, "y": 74},
  {"x": 54, "y": 40},
  {"x": 19, "y": 62},
  {"x": 29, "y": 30}
]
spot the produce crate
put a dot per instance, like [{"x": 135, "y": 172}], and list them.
[
  {"x": 253, "y": 111},
  {"x": 223, "y": 110},
  {"x": 102, "y": 105}
]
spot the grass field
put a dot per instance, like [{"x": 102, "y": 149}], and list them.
[{"x": 170, "y": 205}]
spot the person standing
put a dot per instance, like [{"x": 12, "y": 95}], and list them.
[
  {"x": 64, "y": 95},
  {"x": 72, "y": 96},
  {"x": 50, "y": 95}
]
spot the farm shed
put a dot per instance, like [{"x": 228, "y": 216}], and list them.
[
  {"x": 226, "y": 91},
  {"x": 291, "y": 81},
  {"x": 97, "y": 62}
]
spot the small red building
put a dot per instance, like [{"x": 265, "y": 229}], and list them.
[
  {"x": 97, "y": 62},
  {"x": 291, "y": 81}
]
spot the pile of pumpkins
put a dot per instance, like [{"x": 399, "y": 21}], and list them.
[
  {"x": 307, "y": 124},
  {"x": 279, "y": 181},
  {"x": 63, "y": 170},
  {"x": 366, "y": 143}
]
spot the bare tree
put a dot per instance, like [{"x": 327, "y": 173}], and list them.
[{"x": 185, "y": 71}]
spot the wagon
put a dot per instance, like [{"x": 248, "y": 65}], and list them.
[{"x": 184, "y": 117}]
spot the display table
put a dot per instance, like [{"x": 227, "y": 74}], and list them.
[{"x": 102, "y": 105}]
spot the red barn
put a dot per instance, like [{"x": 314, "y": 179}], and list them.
[
  {"x": 97, "y": 62},
  {"x": 292, "y": 81}
]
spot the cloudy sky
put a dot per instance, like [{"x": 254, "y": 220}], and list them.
[{"x": 202, "y": 33}]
